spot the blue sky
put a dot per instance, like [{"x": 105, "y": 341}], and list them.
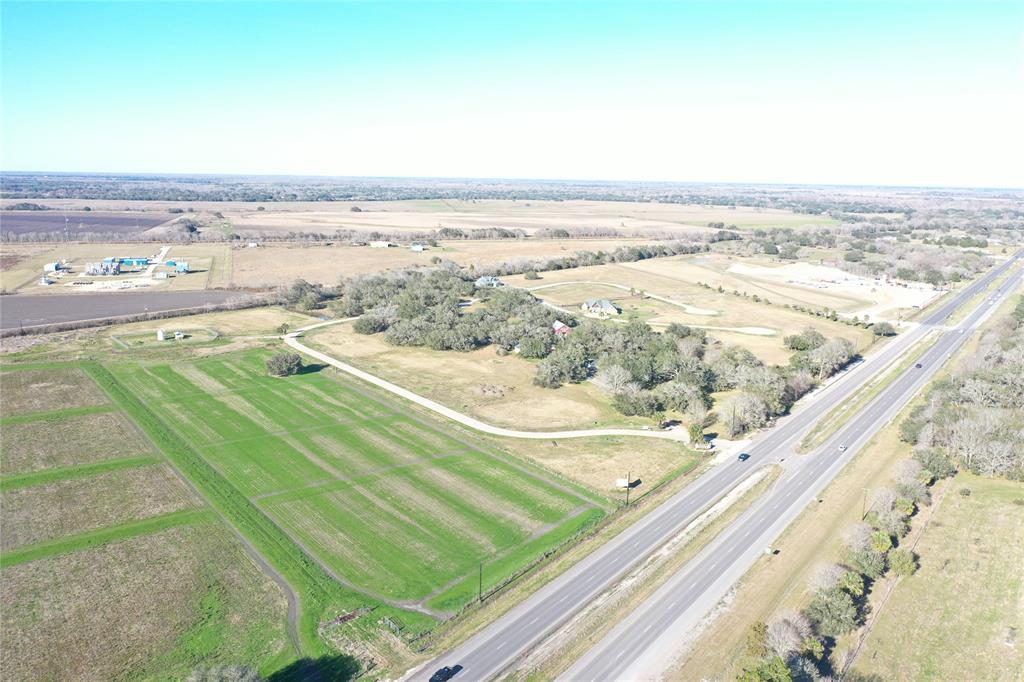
[{"x": 814, "y": 92}]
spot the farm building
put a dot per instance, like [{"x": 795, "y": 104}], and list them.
[
  {"x": 181, "y": 266},
  {"x": 560, "y": 328},
  {"x": 55, "y": 267},
  {"x": 418, "y": 248},
  {"x": 107, "y": 267},
  {"x": 380, "y": 245},
  {"x": 133, "y": 261},
  {"x": 600, "y": 306},
  {"x": 489, "y": 282},
  {"x": 160, "y": 336}
]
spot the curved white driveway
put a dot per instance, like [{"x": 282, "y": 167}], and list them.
[{"x": 292, "y": 340}]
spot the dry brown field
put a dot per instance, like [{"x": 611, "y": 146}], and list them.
[
  {"x": 496, "y": 389},
  {"x": 419, "y": 215}
]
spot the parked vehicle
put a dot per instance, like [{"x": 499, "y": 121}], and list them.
[{"x": 744, "y": 456}]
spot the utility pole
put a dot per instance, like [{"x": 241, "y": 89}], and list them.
[
  {"x": 864, "y": 505},
  {"x": 629, "y": 484},
  {"x": 480, "y": 592}
]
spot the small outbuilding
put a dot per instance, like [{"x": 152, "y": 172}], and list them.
[
  {"x": 181, "y": 266},
  {"x": 560, "y": 328},
  {"x": 380, "y": 245},
  {"x": 160, "y": 336},
  {"x": 418, "y": 248}
]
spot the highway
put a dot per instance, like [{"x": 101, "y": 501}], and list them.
[
  {"x": 640, "y": 646},
  {"x": 496, "y": 648}
]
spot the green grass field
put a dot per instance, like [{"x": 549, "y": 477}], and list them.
[{"x": 390, "y": 504}]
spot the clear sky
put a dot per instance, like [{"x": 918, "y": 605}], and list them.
[{"x": 814, "y": 92}]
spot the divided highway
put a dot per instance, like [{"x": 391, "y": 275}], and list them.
[
  {"x": 642, "y": 645},
  {"x": 621, "y": 655}
]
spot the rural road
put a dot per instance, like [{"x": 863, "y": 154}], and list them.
[{"x": 496, "y": 648}]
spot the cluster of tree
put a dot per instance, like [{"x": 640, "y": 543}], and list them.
[
  {"x": 794, "y": 645},
  {"x": 419, "y": 308},
  {"x": 767, "y": 392},
  {"x": 284, "y": 364},
  {"x": 976, "y": 417},
  {"x": 26, "y": 206}
]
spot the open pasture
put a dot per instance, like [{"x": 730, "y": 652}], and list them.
[
  {"x": 390, "y": 504},
  {"x": 274, "y": 264},
  {"x": 498, "y": 389},
  {"x": 530, "y": 215},
  {"x": 150, "y": 606},
  {"x": 970, "y": 554}
]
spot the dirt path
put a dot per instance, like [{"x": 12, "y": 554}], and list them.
[{"x": 292, "y": 340}]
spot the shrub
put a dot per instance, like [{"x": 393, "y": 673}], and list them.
[
  {"x": 833, "y": 612},
  {"x": 883, "y": 329},
  {"x": 284, "y": 364},
  {"x": 903, "y": 562},
  {"x": 531, "y": 274},
  {"x": 370, "y": 324}
]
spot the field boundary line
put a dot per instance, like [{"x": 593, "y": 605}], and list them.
[
  {"x": 102, "y": 536},
  {"x": 58, "y": 474},
  {"x": 54, "y": 415}
]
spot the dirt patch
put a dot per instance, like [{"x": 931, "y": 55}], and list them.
[
  {"x": 83, "y": 439},
  {"x": 26, "y": 391}
]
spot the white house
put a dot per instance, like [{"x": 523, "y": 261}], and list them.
[
  {"x": 600, "y": 306},
  {"x": 489, "y": 282}
]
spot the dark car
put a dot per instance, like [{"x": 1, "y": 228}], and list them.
[
  {"x": 744, "y": 456},
  {"x": 918, "y": 365},
  {"x": 446, "y": 673}
]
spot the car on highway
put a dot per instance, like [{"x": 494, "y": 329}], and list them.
[
  {"x": 744, "y": 456},
  {"x": 842, "y": 447},
  {"x": 446, "y": 673},
  {"x": 918, "y": 365}
]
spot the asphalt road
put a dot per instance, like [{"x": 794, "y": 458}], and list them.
[{"x": 495, "y": 648}]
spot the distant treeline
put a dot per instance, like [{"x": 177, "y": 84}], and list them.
[{"x": 834, "y": 201}]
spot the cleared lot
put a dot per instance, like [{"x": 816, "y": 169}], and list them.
[{"x": 73, "y": 223}]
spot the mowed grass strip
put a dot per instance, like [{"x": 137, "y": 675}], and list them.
[
  {"x": 68, "y": 473},
  {"x": 103, "y": 536},
  {"x": 390, "y": 504}
]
